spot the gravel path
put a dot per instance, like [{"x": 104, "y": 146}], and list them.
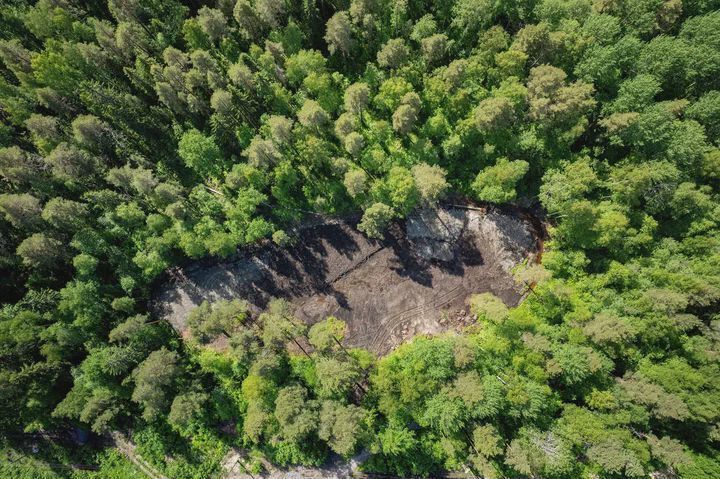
[{"x": 127, "y": 448}]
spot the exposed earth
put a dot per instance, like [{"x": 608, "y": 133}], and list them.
[{"x": 415, "y": 281}]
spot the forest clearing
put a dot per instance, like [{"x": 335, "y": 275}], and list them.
[{"x": 417, "y": 280}]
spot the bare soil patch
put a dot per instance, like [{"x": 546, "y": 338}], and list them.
[{"x": 415, "y": 281}]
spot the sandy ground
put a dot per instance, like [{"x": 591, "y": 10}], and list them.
[{"x": 415, "y": 281}]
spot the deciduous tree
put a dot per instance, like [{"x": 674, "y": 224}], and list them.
[{"x": 497, "y": 183}]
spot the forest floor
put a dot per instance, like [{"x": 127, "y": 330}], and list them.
[{"x": 415, "y": 281}]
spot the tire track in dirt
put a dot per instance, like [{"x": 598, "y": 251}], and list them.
[{"x": 391, "y": 324}]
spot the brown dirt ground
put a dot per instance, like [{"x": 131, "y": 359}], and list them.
[{"x": 387, "y": 291}]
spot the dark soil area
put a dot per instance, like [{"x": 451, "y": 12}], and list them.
[{"x": 416, "y": 281}]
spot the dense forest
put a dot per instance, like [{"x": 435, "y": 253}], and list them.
[{"x": 138, "y": 135}]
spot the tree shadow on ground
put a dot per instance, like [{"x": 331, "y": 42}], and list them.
[{"x": 405, "y": 263}]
